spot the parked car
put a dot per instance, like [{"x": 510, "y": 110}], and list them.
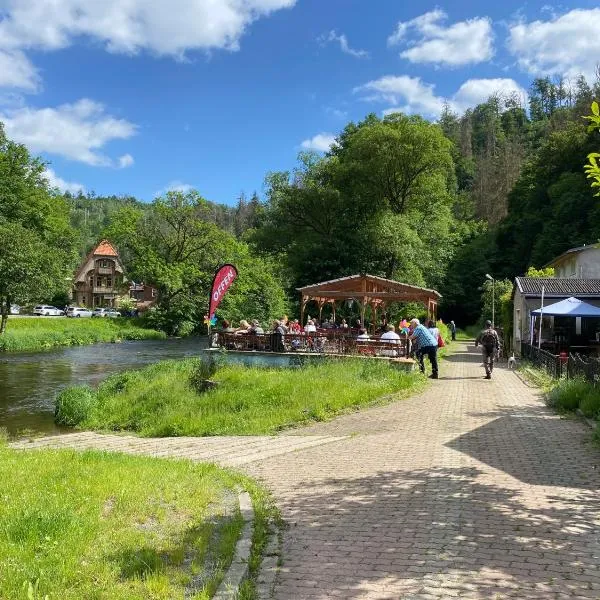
[
  {"x": 76, "y": 311},
  {"x": 99, "y": 312},
  {"x": 112, "y": 313},
  {"x": 47, "y": 311},
  {"x": 15, "y": 309}
]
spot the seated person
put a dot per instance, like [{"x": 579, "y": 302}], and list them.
[
  {"x": 243, "y": 328},
  {"x": 362, "y": 335},
  {"x": 277, "y": 339},
  {"x": 227, "y": 328},
  {"x": 256, "y": 328},
  {"x": 327, "y": 324},
  {"x": 310, "y": 327},
  {"x": 295, "y": 326},
  {"x": 343, "y": 324},
  {"x": 391, "y": 337}
]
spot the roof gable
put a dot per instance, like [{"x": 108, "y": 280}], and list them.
[
  {"x": 105, "y": 248},
  {"x": 571, "y": 252}
]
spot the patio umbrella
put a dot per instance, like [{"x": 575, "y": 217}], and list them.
[{"x": 571, "y": 307}]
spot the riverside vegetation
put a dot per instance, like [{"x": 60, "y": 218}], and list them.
[
  {"x": 98, "y": 525},
  {"x": 161, "y": 400},
  {"x": 42, "y": 333}
]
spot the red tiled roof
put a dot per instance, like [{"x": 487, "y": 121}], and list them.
[{"x": 105, "y": 248}]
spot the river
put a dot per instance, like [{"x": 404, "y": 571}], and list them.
[{"x": 29, "y": 382}]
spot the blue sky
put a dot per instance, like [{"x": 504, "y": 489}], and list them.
[{"x": 138, "y": 97}]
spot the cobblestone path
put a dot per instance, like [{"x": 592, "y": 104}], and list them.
[{"x": 472, "y": 489}]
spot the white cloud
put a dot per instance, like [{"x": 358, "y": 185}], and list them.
[
  {"x": 342, "y": 40},
  {"x": 565, "y": 45},
  {"x": 175, "y": 186},
  {"x": 321, "y": 142},
  {"x": 54, "y": 181},
  {"x": 462, "y": 43},
  {"x": 337, "y": 113},
  {"x": 163, "y": 28},
  {"x": 125, "y": 161},
  {"x": 406, "y": 94},
  {"x": 413, "y": 96},
  {"x": 475, "y": 91},
  {"x": 17, "y": 72},
  {"x": 76, "y": 131}
]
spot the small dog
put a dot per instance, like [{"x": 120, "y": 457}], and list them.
[{"x": 512, "y": 361}]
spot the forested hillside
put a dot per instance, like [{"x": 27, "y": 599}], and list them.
[
  {"x": 91, "y": 215},
  {"x": 522, "y": 173}
]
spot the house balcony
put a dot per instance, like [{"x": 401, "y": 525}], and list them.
[
  {"x": 104, "y": 290},
  {"x": 104, "y": 270}
]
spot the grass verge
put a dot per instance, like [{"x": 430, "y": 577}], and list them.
[
  {"x": 98, "y": 525},
  {"x": 566, "y": 396},
  {"x": 161, "y": 401},
  {"x": 32, "y": 334}
]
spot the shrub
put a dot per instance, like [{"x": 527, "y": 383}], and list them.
[
  {"x": 74, "y": 405},
  {"x": 201, "y": 373},
  {"x": 590, "y": 403},
  {"x": 568, "y": 394}
]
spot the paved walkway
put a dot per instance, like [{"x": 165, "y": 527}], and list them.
[{"x": 470, "y": 490}]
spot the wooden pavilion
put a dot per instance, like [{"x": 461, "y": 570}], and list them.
[{"x": 367, "y": 290}]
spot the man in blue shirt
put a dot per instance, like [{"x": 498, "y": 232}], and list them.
[{"x": 426, "y": 345}]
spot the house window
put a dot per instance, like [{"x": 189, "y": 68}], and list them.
[
  {"x": 109, "y": 282},
  {"x": 99, "y": 281},
  {"x": 153, "y": 292}
]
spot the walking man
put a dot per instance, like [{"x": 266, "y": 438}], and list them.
[
  {"x": 427, "y": 345},
  {"x": 490, "y": 343},
  {"x": 453, "y": 330}
]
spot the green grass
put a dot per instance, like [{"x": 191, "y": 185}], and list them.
[
  {"x": 160, "y": 400},
  {"x": 97, "y": 525},
  {"x": 32, "y": 334},
  {"x": 565, "y": 395}
]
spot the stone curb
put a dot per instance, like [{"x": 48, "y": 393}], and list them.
[
  {"x": 228, "y": 590},
  {"x": 269, "y": 568}
]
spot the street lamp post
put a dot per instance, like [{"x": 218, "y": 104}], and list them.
[{"x": 488, "y": 276}]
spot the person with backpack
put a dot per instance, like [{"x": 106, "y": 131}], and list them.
[{"x": 490, "y": 344}]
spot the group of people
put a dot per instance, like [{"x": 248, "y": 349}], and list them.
[{"x": 424, "y": 339}]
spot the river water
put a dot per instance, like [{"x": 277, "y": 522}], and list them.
[{"x": 29, "y": 382}]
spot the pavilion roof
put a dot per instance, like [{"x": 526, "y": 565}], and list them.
[{"x": 368, "y": 287}]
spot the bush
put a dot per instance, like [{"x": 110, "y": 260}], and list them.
[
  {"x": 568, "y": 394},
  {"x": 74, "y": 405},
  {"x": 590, "y": 403},
  {"x": 202, "y": 373}
]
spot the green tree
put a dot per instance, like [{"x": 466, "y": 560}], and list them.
[
  {"x": 540, "y": 273},
  {"x": 592, "y": 168},
  {"x": 37, "y": 239},
  {"x": 175, "y": 246}
]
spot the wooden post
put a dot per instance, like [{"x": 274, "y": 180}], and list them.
[
  {"x": 333, "y": 306},
  {"x": 302, "y": 305}
]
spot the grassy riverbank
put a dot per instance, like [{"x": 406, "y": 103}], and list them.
[
  {"x": 160, "y": 400},
  {"x": 96, "y": 525},
  {"x": 32, "y": 334}
]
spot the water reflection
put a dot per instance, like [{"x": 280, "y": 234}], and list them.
[{"x": 29, "y": 382}]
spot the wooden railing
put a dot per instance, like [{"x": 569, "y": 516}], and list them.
[{"x": 325, "y": 343}]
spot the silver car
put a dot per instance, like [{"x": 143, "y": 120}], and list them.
[
  {"x": 43, "y": 310},
  {"x": 77, "y": 312}
]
